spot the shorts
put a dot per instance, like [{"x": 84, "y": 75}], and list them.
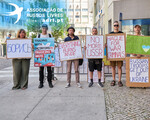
[
  {"x": 95, "y": 64},
  {"x": 116, "y": 63}
]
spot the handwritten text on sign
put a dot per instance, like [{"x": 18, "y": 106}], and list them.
[
  {"x": 116, "y": 46},
  {"x": 70, "y": 50},
  {"x": 19, "y": 48},
  {"x": 94, "y": 47},
  {"x": 139, "y": 70}
]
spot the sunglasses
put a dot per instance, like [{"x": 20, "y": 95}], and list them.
[{"x": 116, "y": 25}]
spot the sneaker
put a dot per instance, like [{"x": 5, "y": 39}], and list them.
[
  {"x": 100, "y": 84},
  {"x": 68, "y": 85},
  {"x": 90, "y": 84},
  {"x": 79, "y": 85}
]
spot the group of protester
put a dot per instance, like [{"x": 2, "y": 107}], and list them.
[{"x": 21, "y": 66}]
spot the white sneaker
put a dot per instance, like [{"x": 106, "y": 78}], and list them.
[
  {"x": 79, "y": 85},
  {"x": 68, "y": 85}
]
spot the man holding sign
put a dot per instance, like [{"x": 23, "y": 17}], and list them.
[
  {"x": 94, "y": 49},
  {"x": 118, "y": 63},
  {"x": 44, "y": 34},
  {"x": 72, "y": 37}
]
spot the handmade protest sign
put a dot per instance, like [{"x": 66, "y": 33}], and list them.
[
  {"x": 44, "y": 52},
  {"x": 138, "y": 72},
  {"x": 18, "y": 48},
  {"x": 116, "y": 46},
  {"x": 70, "y": 50},
  {"x": 138, "y": 45},
  {"x": 94, "y": 47},
  {"x": 57, "y": 59},
  {"x": 95, "y": 75}
]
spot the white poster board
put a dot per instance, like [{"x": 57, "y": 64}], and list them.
[
  {"x": 57, "y": 59},
  {"x": 139, "y": 70},
  {"x": 70, "y": 50},
  {"x": 94, "y": 46},
  {"x": 116, "y": 46},
  {"x": 19, "y": 48}
]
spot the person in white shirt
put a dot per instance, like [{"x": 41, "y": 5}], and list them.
[{"x": 44, "y": 34}]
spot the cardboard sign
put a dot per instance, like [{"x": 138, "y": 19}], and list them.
[
  {"x": 19, "y": 48},
  {"x": 138, "y": 45},
  {"x": 94, "y": 47},
  {"x": 116, "y": 47},
  {"x": 57, "y": 59},
  {"x": 70, "y": 50},
  {"x": 95, "y": 75},
  {"x": 44, "y": 52},
  {"x": 138, "y": 72}
]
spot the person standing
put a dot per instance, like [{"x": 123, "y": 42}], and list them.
[
  {"x": 44, "y": 34},
  {"x": 20, "y": 68},
  {"x": 95, "y": 64},
  {"x": 119, "y": 64},
  {"x": 9, "y": 36},
  {"x": 72, "y": 37},
  {"x": 137, "y": 31}
]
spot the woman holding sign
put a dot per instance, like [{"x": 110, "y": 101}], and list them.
[{"x": 20, "y": 68}]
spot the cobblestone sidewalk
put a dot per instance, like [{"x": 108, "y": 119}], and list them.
[{"x": 127, "y": 103}]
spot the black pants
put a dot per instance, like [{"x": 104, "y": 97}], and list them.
[{"x": 41, "y": 74}]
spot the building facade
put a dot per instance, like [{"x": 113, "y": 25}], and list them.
[
  {"x": 80, "y": 16},
  {"x": 128, "y": 12}
]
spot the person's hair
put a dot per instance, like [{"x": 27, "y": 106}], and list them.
[
  {"x": 9, "y": 34},
  {"x": 94, "y": 28},
  {"x": 19, "y": 31},
  {"x": 116, "y": 22},
  {"x": 137, "y": 26},
  {"x": 72, "y": 29}
]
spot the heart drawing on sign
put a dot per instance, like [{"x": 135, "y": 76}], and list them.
[{"x": 146, "y": 48}]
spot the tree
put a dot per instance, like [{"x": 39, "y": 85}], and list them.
[
  {"x": 58, "y": 28},
  {"x": 34, "y": 23}
]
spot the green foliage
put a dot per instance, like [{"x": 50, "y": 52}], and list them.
[
  {"x": 34, "y": 23},
  {"x": 59, "y": 29}
]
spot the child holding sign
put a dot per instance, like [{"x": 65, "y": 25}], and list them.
[{"x": 20, "y": 68}]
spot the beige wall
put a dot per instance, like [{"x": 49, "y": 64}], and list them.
[{"x": 131, "y": 9}]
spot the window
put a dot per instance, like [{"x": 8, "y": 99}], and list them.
[
  {"x": 77, "y": 16},
  {"x": 84, "y": 9},
  {"x": 70, "y": 9},
  {"x": 77, "y": 10}
]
